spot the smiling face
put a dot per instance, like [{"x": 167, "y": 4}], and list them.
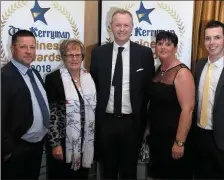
[
  {"x": 24, "y": 50},
  {"x": 214, "y": 43},
  {"x": 121, "y": 27},
  {"x": 73, "y": 57},
  {"x": 165, "y": 49}
]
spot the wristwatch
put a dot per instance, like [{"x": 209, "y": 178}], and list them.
[{"x": 180, "y": 143}]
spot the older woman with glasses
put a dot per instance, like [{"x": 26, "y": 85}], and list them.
[{"x": 72, "y": 99}]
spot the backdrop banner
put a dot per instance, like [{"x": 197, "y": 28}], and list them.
[
  {"x": 50, "y": 21},
  {"x": 150, "y": 17}
]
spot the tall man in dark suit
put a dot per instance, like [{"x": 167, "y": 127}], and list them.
[
  {"x": 122, "y": 72},
  {"x": 24, "y": 110},
  {"x": 209, "y": 133}
]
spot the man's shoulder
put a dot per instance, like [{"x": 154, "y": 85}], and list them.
[
  {"x": 7, "y": 69},
  {"x": 9, "y": 74},
  {"x": 201, "y": 61},
  {"x": 136, "y": 45},
  {"x": 200, "y": 64},
  {"x": 109, "y": 46},
  {"x": 103, "y": 47}
]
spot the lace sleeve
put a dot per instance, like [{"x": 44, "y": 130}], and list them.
[
  {"x": 57, "y": 110},
  {"x": 57, "y": 124}
]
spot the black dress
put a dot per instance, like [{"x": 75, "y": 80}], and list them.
[{"x": 164, "y": 113}]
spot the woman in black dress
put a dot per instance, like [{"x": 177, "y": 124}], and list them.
[{"x": 170, "y": 112}]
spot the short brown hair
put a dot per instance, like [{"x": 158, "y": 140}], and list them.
[
  {"x": 121, "y": 11},
  {"x": 65, "y": 43},
  {"x": 22, "y": 33},
  {"x": 214, "y": 24}
]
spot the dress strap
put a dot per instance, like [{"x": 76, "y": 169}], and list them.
[{"x": 180, "y": 66}]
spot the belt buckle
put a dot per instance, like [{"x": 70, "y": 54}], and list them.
[{"x": 119, "y": 115}]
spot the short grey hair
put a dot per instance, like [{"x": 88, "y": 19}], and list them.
[{"x": 65, "y": 43}]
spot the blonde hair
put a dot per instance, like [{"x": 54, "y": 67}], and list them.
[
  {"x": 65, "y": 43},
  {"x": 121, "y": 11}
]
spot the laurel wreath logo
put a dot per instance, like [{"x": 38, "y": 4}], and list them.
[
  {"x": 4, "y": 18},
  {"x": 108, "y": 38},
  {"x": 179, "y": 22},
  {"x": 69, "y": 17},
  {"x": 109, "y": 32}
]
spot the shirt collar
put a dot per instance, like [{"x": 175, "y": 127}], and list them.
[
  {"x": 126, "y": 46},
  {"x": 218, "y": 63},
  {"x": 23, "y": 69}
]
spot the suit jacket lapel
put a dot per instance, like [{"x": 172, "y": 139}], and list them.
[
  {"x": 219, "y": 86},
  {"x": 199, "y": 68},
  {"x": 19, "y": 83},
  {"x": 134, "y": 56},
  {"x": 199, "y": 71},
  {"x": 19, "y": 79},
  {"x": 107, "y": 59}
]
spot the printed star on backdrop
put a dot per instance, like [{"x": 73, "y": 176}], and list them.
[
  {"x": 143, "y": 14},
  {"x": 38, "y": 12}
]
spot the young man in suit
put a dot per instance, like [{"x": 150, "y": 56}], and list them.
[
  {"x": 209, "y": 79},
  {"x": 24, "y": 110},
  {"x": 122, "y": 72}
]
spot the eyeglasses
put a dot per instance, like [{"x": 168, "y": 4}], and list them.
[{"x": 71, "y": 56}]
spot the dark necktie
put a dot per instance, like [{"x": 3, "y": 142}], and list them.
[
  {"x": 40, "y": 99},
  {"x": 117, "y": 82}
]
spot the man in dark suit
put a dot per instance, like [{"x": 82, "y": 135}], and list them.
[
  {"x": 122, "y": 72},
  {"x": 24, "y": 110},
  {"x": 209, "y": 132}
]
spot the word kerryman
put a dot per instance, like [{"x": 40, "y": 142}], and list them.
[{"x": 42, "y": 33}]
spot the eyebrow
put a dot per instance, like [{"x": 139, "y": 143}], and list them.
[
  {"x": 74, "y": 53},
  {"x": 27, "y": 45},
  {"x": 213, "y": 36}
]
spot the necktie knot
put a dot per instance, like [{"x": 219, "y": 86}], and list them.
[
  {"x": 210, "y": 66},
  {"x": 120, "y": 49},
  {"x": 30, "y": 73}
]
